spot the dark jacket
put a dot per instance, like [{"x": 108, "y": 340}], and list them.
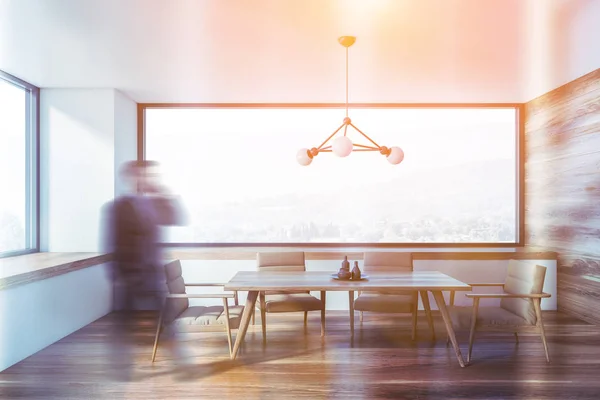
[{"x": 133, "y": 237}]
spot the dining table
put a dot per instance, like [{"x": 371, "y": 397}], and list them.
[{"x": 423, "y": 282}]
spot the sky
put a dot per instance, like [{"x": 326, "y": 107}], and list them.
[{"x": 254, "y": 150}]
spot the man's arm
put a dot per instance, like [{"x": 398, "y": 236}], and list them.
[{"x": 169, "y": 209}]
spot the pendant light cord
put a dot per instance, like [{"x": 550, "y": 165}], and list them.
[{"x": 346, "y": 81}]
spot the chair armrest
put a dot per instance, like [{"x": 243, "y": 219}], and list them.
[
  {"x": 211, "y": 284},
  {"x": 486, "y": 284},
  {"x": 201, "y": 296},
  {"x": 507, "y": 295}
]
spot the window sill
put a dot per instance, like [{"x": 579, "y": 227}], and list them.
[{"x": 24, "y": 269}]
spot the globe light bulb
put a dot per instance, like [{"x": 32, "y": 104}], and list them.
[
  {"x": 342, "y": 146},
  {"x": 396, "y": 155},
  {"x": 303, "y": 157}
]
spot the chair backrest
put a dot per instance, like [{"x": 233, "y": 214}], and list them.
[
  {"x": 175, "y": 285},
  {"x": 281, "y": 261},
  {"x": 387, "y": 261},
  {"x": 523, "y": 278}
]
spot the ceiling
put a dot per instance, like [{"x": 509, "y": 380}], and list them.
[{"x": 287, "y": 51}]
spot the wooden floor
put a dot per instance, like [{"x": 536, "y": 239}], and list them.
[{"x": 381, "y": 362}]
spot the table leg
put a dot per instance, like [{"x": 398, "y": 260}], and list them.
[
  {"x": 245, "y": 321},
  {"x": 351, "y": 304},
  {"x": 441, "y": 303},
  {"x": 323, "y": 300},
  {"x": 427, "y": 307}
]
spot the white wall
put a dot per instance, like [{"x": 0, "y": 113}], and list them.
[
  {"x": 85, "y": 135},
  {"x": 561, "y": 43},
  {"x": 77, "y": 165},
  {"x": 464, "y": 270},
  {"x": 125, "y": 135},
  {"x": 37, "y": 314}
]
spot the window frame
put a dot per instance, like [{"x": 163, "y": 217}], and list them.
[
  {"x": 32, "y": 167},
  {"x": 520, "y": 168}
]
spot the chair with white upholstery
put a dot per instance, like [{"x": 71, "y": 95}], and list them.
[
  {"x": 179, "y": 316},
  {"x": 286, "y": 301},
  {"x": 519, "y": 309},
  {"x": 390, "y": 301}
]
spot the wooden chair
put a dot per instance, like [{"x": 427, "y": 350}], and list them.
[
  {"x": 286, "y": 301},
  {"x": 177, "y": 314},
  {"x": 391, "y": 301},
  {"x": 519, "y": 309}
]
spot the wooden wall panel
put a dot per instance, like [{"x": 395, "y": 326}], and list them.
[{"x": 562, "y": 189}]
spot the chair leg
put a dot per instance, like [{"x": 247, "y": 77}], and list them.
[
  {"x": 473, "y": 325},
  {"x": 360, "y": 316},
  {"x": 516, "y": 337},
  {"x": 323, "y": 297},
  {"x": 158, "y": 330},
  {"x": 452, "y": 296},
  {"x": 305, "y": 319},
  {"x": 263, "y": 316},
  {"x": 227, "y": 326},
  {"x": 540, "y": 324},
  {"x": 254, "y": 317}
]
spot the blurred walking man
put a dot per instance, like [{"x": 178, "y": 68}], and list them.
[{"x": 133, "y": 237}]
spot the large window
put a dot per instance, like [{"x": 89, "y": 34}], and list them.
[
  {"x": 18, "y": 166},
  {"x": 237, "y": 172}
]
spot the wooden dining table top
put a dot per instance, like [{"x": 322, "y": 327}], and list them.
[{"x": 323, "y": 281}]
